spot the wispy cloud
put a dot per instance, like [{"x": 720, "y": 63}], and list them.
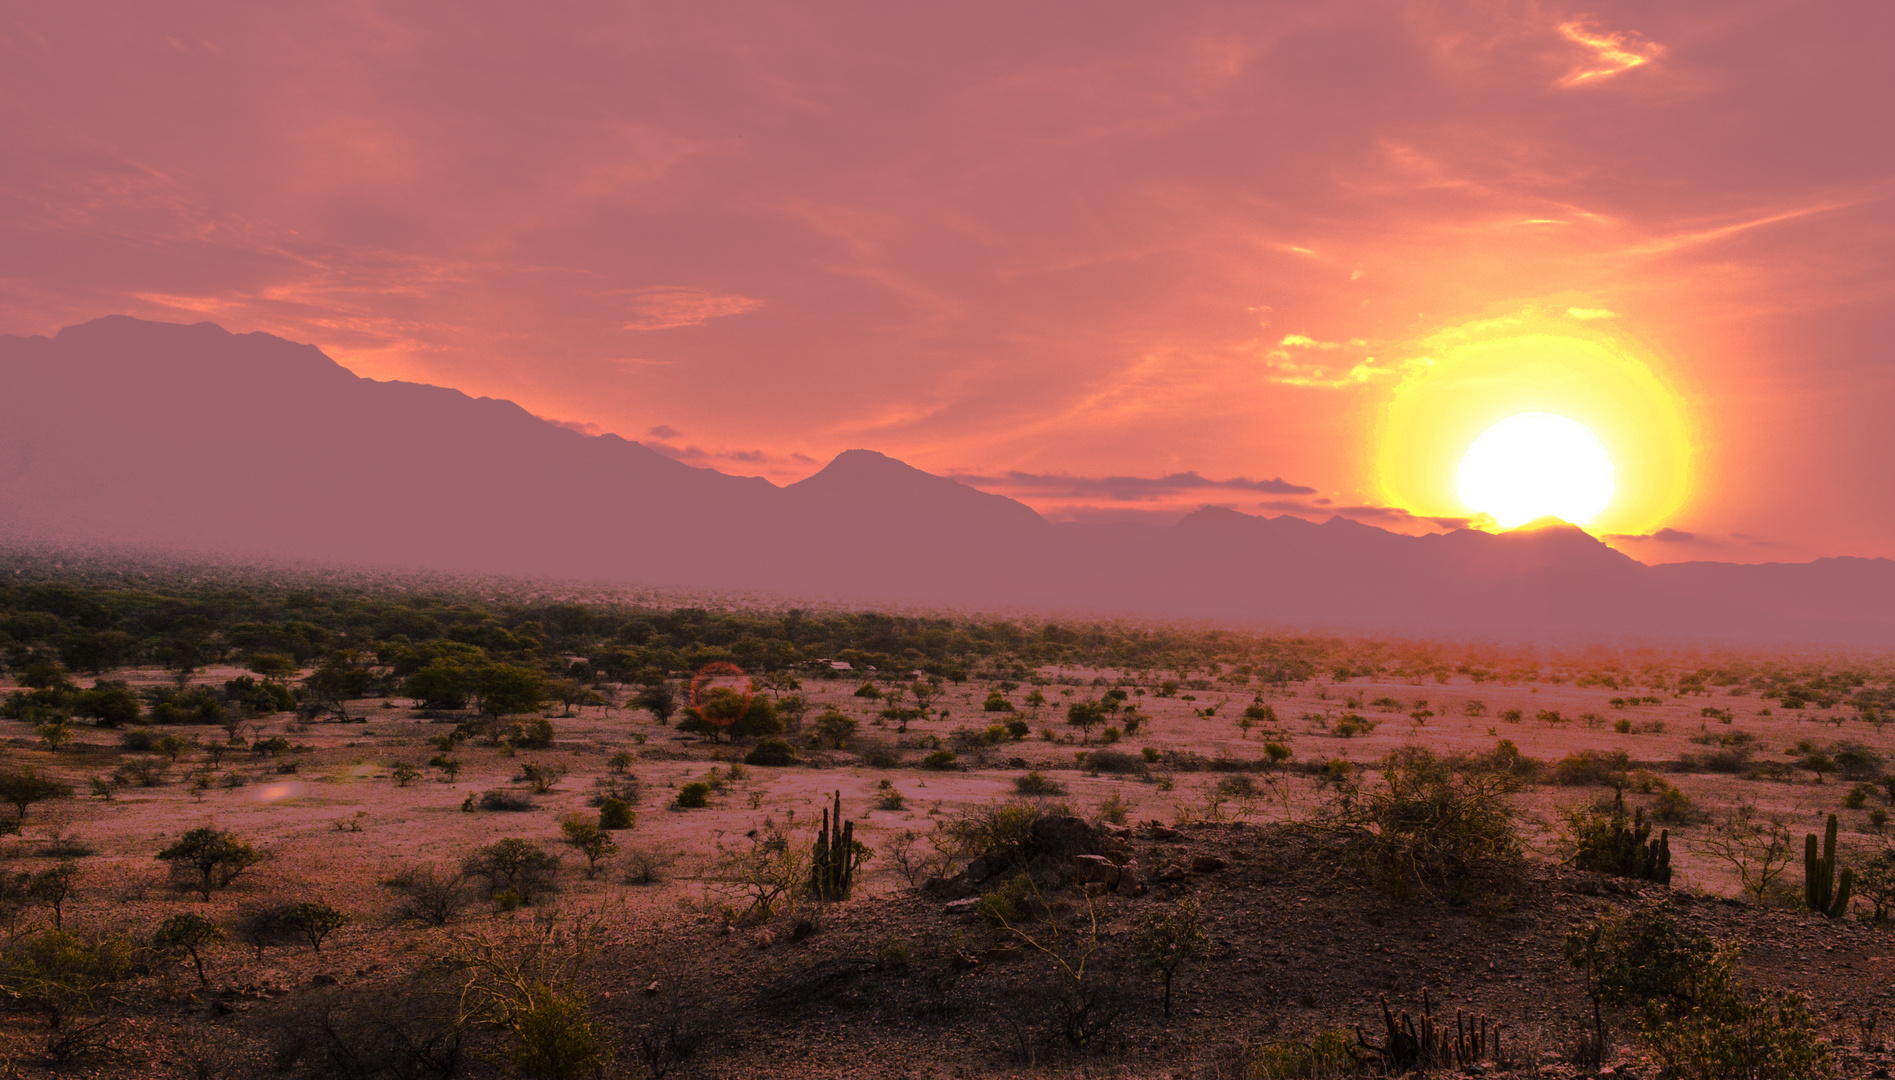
[
  {"x": 665, "y": 307},
  {"x": 1612, "y": 52},
  {"x": 1301, "y": 360}
]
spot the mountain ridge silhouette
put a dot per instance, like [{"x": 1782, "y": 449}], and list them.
[{"x": 189, "y": 438}]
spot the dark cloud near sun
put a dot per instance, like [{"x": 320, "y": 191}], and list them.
[
  {"x": 1662, "y": 536},
  {"x": 1127, "y": 488}
]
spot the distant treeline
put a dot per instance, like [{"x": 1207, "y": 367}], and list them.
[{"x": 95, "y": 616}]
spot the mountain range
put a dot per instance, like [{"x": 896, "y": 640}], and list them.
[{"x": 180, "y": 438}]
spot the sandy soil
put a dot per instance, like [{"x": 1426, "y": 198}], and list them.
[{"x": 339, "y": 823}]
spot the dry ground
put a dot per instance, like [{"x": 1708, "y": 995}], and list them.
[{"x": 1297, "y": 949}]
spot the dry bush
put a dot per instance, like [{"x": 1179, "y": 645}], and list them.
[
  {"x": 430, "y": 895},
  {"x": 1592, "y": 767},
  {"x": 648, "y": 866}
]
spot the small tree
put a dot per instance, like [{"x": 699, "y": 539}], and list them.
[
  {"x": 210, "y": 858},
  {"x": 1083, "y": 715},
  {"x": 585, "y": 835},
  {"x": 405, "y": 773},
  {"x": 54, "y": 733},
  {"x": 313, "y": 921},
  {"x": 22, "y": 787},
  {"x": 189, "y": 934},
  {"x": 261, "y": 926},
  {"x": 52, "y": 886},
  {"x": 1167, "y": 938},
  {"x": 1755, "y": 845}
]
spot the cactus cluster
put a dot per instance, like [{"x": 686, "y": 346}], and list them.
[
  {"x": 1823, "y": 892},
  {"x": 1419, "y": 1043},
  {"x": 1625, "y": 847},
  {"x": 832, "y": 864}
]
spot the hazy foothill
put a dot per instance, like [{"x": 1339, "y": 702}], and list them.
[{"x": 277, "y": 822}]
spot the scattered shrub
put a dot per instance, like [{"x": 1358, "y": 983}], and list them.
[
  {"x": 503, "y": 800},
  {"x": 1038, "y": 785},
  {"x": 694, "y": 796},
  {"x": 1116, "y": 762},
  {"x": 513, "y": 865}
]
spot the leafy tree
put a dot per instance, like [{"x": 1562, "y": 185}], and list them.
[
  {"x": 342, "y": 677},
  {"x": 189, "y": 934},
  {"x": 443, "y": 684},
  {"x": 210, "y": 858},
  {"x": 23, "y": 786},
  {"x": 660, "y": 699},
  {"x": 108, "y": 704},
  {"x": 508, "y": 689},
  {"x": 54, "y": 733}
]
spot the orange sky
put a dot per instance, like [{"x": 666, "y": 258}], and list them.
[{"x": 1111, "y": 258}]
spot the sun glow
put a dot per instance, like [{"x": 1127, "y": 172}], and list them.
[
  {"x": 1533, "y": 465},
  {"x": 1612, "y": 451}
]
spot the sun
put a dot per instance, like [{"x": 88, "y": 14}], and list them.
[
  {"x": 1505, "y": 419},
  {"x": 1533, "y": 465}
]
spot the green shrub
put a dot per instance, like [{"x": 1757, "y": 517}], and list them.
[
  {"x": 1008, "y": 904},
  {"x": 616, "y": 814},
  {"x": 554, "y": 1036},
  {"x": 1432, "y": 823},
  {"x": 771, "y": 753},
  {"x": 940, "y": 760},
  {"x": 695, "y": 795}
]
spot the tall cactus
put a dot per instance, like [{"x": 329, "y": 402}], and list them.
[
  {"x": 1822, "y": 891},
  {"x": 832, "y": 864}
]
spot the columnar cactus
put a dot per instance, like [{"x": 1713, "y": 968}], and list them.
[
  {"x": 832, "y": 864},
  {"x": 1822, "y": 891}
]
